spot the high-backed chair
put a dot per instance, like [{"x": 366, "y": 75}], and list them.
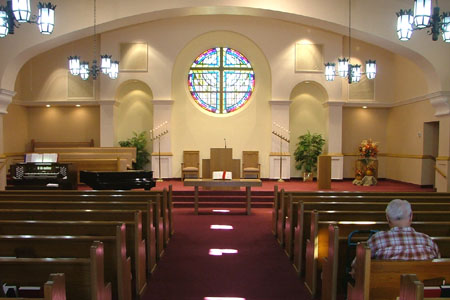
[
  {"x": 251, "y": 168},
  {"x": 190, "y": 167}
]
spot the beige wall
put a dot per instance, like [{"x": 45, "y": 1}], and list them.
[
  {"x": 195, "y": 129},
  {"x": 173, "y": 43},
  {"x": 405, "y": 138},
  {"x": 410, "y": 80},
  {"x": 65, "y": 124},
  {"x": 16, "y": 132},
  {"x": 361, "y": 124},
  {"x": 46, "y": 77}
]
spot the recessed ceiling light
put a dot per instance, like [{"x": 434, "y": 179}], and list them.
[
  {"x": 364, "y": 107},
  {"x": 48, "y": 105},
  {"x": 78, "y": 105}
]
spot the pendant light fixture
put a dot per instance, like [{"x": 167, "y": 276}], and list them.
[
  {"x": 107, "y": 66},
  {"x": 422, "y": 18},
  {"x": 19, "y": 11},
  {"x": 346, "y": 69}
]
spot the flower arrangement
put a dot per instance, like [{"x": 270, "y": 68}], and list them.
[
  {"x": 368, "y": 149},
  {"x": 359, "y": 174}
]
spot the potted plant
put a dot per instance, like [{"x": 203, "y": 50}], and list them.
[
  {"x": 308, "y": 149},
  {"x": 139, "y": 141}
]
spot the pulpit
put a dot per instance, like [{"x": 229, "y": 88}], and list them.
[{"x": 221, "y": 159}]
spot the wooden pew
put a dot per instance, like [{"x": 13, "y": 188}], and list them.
[
  {"x": 67, "y": 153},
  {"x": 292, "y": 214},
  {"x": 54, "y": 288},
  {"x": 35, "y": 144},
  {"x": 297, "y": 225},
  {"x": 411, "y": 288},
  {"x": 317, "y": 241},
  {"x": 100, "y": 195},
  {"x": 117, "y": 265},
  {"x": 150, "y": 218},
  {"x": 340, "y": 196},
  {"x": 84, "y": 276},
  {"x": 135, "y": 246},
  {"x": 333, "y": 266},
  {"x": 166, "y": 205},
  {"x": 280, "y": 210},
  {"x": 380, "y": 279}
]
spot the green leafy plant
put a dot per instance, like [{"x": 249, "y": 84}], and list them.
[
  {"x": 308, "y": 149},
  {"x": 139, "y": 141}
]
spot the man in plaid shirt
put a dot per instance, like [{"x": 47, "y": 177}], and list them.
[{"x": 402, "y": 242}]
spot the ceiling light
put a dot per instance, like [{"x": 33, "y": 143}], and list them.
[
  {"x": 422, "y": 18},
  {"x": 347, "y": 70},
  {"x": 19, "y": 11},
  {"x": 107, "y": 65},
  {"x": 78, "y": 105},
  {"x": 48, "y": 105},
  {"x": 364, "y": 107}
]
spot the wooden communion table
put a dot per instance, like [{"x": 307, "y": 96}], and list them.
[{"x": 247, "y": 183}]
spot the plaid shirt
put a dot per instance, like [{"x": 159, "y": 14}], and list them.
[{"x": 403, "y": 244}]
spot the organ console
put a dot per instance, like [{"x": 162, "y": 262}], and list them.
[{"x": 42, "y": 175}]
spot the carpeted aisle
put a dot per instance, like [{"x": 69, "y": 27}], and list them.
[{"x": 260, "y": 270}]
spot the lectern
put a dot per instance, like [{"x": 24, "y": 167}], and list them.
[
  {"x": 324, "y": 172},
  {"x": 221, "y": 159}
]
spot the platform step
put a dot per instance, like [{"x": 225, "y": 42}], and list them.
[
  {"x": 222, "y": 204},
  {"x": 218, "y": 198}
]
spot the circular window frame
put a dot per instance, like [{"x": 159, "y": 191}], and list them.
[{"x": 219, "y": 88}]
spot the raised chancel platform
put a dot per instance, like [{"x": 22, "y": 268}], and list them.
[{"x": 247, "y": 183}]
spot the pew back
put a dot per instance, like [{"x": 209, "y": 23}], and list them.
[
  {"x": 84, "y": 276},
  {"x": 379, "y": 279}
]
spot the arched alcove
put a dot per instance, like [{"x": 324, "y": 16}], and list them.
[
  {"x": 133, "y": 112},
  {"x": 306, "y": 113}
]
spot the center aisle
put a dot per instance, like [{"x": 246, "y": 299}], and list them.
[{"x": 260, "y": 270}]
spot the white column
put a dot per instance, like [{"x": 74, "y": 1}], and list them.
[
  {"x": 5, "y": 99},
  {"x": 280, "y": 149},
  {"x": 107, "y": 123},
  {"x": 334, "y": 128},
  {"x": 441, "y": 104},
  {"x": 162, "y": 160}
]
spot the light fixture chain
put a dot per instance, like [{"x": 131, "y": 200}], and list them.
[
  {"x": 95, "y": 29},
  {"x": 349, "y": 30}
]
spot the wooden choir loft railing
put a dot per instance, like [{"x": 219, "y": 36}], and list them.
[{"x": 35, "y": 144}]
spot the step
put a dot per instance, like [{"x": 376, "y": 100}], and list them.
[
  {"x": 222, "y": 204},
  {"x": 227, "y": 198},
  {"x": 218, "y": 193}
]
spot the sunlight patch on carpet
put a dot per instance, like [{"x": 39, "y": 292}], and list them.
[
  {"x": 223, "y": 298},
  {"x": 220, "y": 252},
  {"x": 221, "y": 227}
]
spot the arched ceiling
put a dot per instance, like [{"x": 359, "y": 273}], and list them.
[{"x": 372, "y": 21}]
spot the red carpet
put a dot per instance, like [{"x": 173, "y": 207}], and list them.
[{"x": 259, "y": 271}]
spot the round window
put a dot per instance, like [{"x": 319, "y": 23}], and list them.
[{"x": 221, "y": 80}]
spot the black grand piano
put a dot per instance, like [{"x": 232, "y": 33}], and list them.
[
  {"x": 124, "y": 180},
  {"x": 42, "y": 175}
]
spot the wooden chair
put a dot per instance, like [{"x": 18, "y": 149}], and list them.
[
  {"x": 251, "y": 168},
  {"x": 190, "y": 167}
]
